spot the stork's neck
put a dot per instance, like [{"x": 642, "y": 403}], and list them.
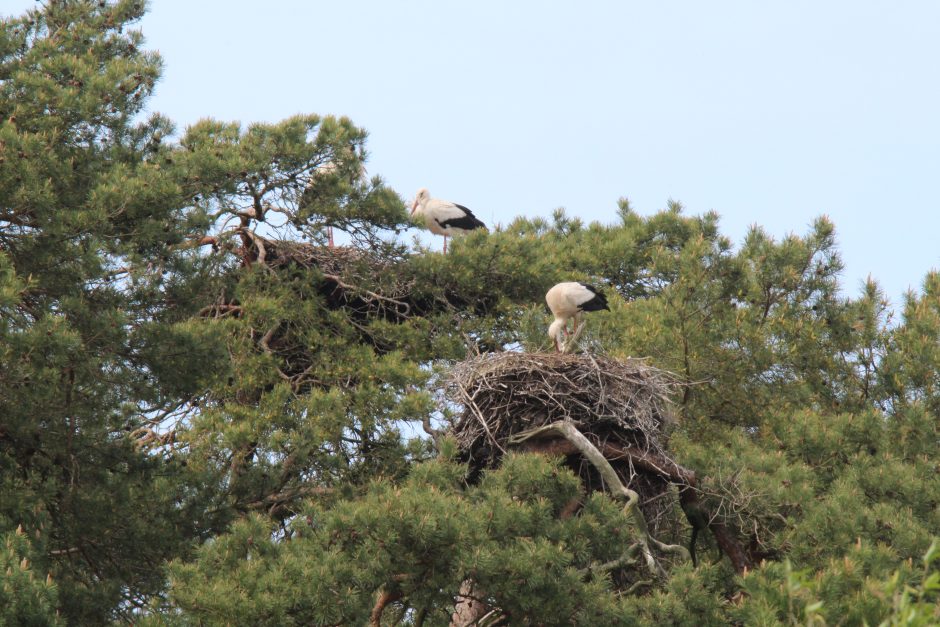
[
  {"x": 555, "y": 328},
  {"x": 421, "y": 200}
]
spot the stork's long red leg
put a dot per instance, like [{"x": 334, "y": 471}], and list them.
[
  {"x": 578, "y": 327},
  {"x": 329, "y": 236},
  {"x": 445, "y": 244}
]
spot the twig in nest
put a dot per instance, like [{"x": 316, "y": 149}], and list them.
[
  {"x": 482, "y": 419},
  {"x": 572, "y": 340}
]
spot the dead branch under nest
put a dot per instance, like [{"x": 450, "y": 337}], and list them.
[
  {"x": 644, "y": 539},
  {"x": 564, "y": 404}
]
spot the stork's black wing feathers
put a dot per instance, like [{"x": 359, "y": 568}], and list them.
[
  {"x": 597, "y": 303},
  {"x": 467, "y": 222}
]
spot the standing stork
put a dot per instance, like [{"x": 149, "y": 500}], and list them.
[
  {"x": 567, "y": 300},
  {"x": 444, "y": 217},
  {"x": 313, "y": 191}
]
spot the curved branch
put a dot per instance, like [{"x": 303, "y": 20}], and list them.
[
  {"x": 384, "y": 598},
  {"x": 435, "y": 434},
  {"x": 696, "y": 512},
  {"x": 346, "y": 286},
  {"x": 590, "y": 452}
]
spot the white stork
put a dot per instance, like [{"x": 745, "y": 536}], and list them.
[
  {"x": 567, "y": 300},
  {"x": 443, "y": 217},
  {"x": 319, "y": 174},
  {"x": 326, "y": 169}
]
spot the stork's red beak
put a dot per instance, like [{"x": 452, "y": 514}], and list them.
[{"x": 414, "y": 206}]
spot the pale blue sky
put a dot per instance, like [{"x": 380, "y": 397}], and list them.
[{"x": 767, "y": 112}]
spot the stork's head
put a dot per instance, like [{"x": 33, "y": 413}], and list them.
[
  {"x": 421, "y": 199},
  {"x": 554, "y": 331}
]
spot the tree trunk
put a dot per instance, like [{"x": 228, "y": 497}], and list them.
[{"x": 468, "y": 609}]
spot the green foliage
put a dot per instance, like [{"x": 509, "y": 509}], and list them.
[
  {"x": 848, "y": 591},
  {"x": 420, "y": 540},
  {"x": 26, "y": 597},
  {"x": 85, "y": 210},
  {"x": 691, "y": 597},
  {"x": 208, "y": 416},
  {"x": 911, "y": 365}
]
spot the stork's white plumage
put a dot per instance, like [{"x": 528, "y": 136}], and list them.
[
  {"x": 319, "y": 175},
  {"x": 444, "y": 217},
  {"x": 566, "y": 301}
]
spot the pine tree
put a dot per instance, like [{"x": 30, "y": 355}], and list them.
[
  {"x": 209, "y": 415},
  {"x": 813, "y": 470},
  {"x": 90, "y": 207},
  {"x": 26, "y": 597}
]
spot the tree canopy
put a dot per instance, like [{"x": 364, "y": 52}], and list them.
[{"x": 209, "y": 416}]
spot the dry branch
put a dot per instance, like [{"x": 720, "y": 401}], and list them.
[
  {"x": 571, "y": 341},
  {"x": 607, "y": 472}
]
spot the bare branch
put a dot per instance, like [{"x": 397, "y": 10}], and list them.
[
  {"x": 335, "y": 278},
  {"x": 610, "y": 477}
]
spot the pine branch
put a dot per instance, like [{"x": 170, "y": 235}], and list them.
[
  {"x": 384, "y": 598},
  {"x": 335, "y": 278}
]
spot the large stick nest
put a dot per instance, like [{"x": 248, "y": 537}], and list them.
[
  {"x": 283, "y": 253},
  {"x": 355, "y": 278},
  {"x": 359, "y": 280},
  {"x": 367, "y": 282},
  {"x": 617, "y": 405}
]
